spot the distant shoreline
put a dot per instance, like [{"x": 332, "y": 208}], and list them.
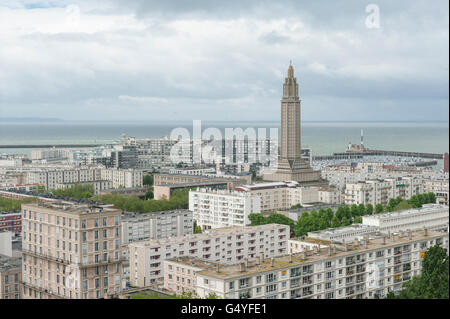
[{"x": 60, "y": 121}]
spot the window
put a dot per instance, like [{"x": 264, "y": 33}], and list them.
[
  {"x": 105, "y": 221},
  {"x": 271, "y": 277}
]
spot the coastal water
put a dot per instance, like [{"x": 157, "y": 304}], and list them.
[{"x": 322, "y": 137}]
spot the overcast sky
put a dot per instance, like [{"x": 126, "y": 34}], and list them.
[{"x": 223, "y": 60}]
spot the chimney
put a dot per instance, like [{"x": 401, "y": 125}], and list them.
[
  {"x": 409, "y": 234},
  {"x": 425, "y": 232},
  {"x": 258, "y": 260},
  {"x": 303, "y": 255},
  {"x": 317, "y": 249},
  {"x": 290, "y": 258},
  {"x": 262, "y": 257},
  {"x": 242, "y": 267},
  {"x": 356, "y": 242},
  {"x": 334, "y": 249},
  {"x": 272, "y": 260}
]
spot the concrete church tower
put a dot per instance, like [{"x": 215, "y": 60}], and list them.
[{"x": 291, "y": 166}]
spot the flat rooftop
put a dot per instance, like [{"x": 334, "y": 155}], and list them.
[
  {"x": 193, "y": 184},
  {"x": 132, "y": 215},
  {"x": 424, "y": 208},
  {"x": 343, "y": 230},
  {"x": 72, "y": 207},
  {"x": 7, "y": 263},
  {"x": 298, "y": 259}
]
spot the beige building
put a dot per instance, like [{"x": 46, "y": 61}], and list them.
[
  {"x": 381, "y": 191},
  {"x": 98, "y": 186},
  {"x": 290, "y": 165},
  {"x": 280, "y": 195},
  {"x": 330, "y": 196},
  {"x": 127, "y": 178},
  {"x": 10, "y": 278},
  {"x": 439, "y": 187},
  {"x": 71, "y": 250},
  {"x": 224, "y": 245},
  {"x": 364, "y": 269}
]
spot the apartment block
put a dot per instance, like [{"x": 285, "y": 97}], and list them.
[
  {"x": 98, "y": 186},
  {"x": 280, "y": 195},
  {"x": 227, "y": 246},
  {"x": 439, "y": 187},
  {"x": 71, "y": 250},
  {"x": 222, "y": 208},
  {"x": 156, "y": 225},
  {"x": 431, "y": 216},
  {"x": 330, "y": 196},
  {"x": 381, "y": 191},
  {"x": 51, "y": 177},
  {"x": 364, "y": 269},
  {"x": 127, "y": 178},
  {"x": 10, "y": 278}
]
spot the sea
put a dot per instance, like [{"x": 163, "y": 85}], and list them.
[{"x": 322, "y": 137}]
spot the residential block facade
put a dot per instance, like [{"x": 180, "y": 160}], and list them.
[{"x": 71, "y": 250}]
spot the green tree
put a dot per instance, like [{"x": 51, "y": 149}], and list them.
[
  {"x": 362, "y": 209},
  {"x": 432, "y": 283},
  {"x": 345, "y": 221},
  {"x": 335, "y": 222},
  {"x": 357, "y": 220},
  {"x": 354, "y": 211},
  {"x": 379, "y": 209},
  {"x": 148, "y": 180},
  {"x": 369, "y": 209},
  {"x": 197, "y": 229}
]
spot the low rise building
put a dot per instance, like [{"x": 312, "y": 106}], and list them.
[
  {"x": 10, "y": 277},
  {"x": 98, "y": 186},
  {"x": 432, "y": 216},
  {"x": 11, "y": 221}
]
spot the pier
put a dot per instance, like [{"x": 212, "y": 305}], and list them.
[{"x": 50, "y": 146}]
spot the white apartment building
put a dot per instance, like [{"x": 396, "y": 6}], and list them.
[
  {"x": 431, "y": 216},
  {"x": 222, "y": 208},
  {"x": 156, "y": 225},
  {"x": 365, "y": 269},
  {"x": 127, "y": 178},
  {"x": 226, "y": 246},
  {"x": 343, "y": 234},
  {"x": 381, "y": 191}
]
